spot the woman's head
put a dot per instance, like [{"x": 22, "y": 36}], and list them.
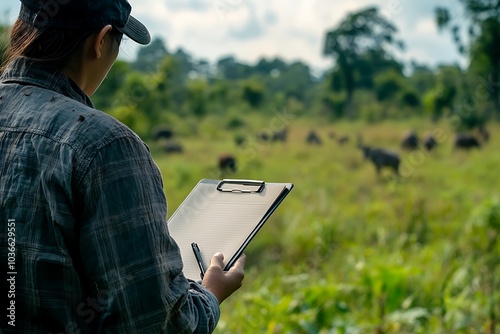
[
  {"x": 61, "y": 34},
  {"x": 52, "y": 47},
  {"x": 84, "y": 15}
]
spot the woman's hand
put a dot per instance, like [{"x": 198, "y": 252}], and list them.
[{"x": 223, "y": 283}]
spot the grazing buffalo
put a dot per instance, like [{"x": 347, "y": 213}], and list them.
[
  {"x": 382, "y": 158},
  {"x": 264, "y": 136},
  {"x": 280, "y": 135},
  {"x": 410, "y": 141},
  {"x": 227, "y": 162},
  {"x": 466, "y": 142},
  {"x": 343, "y": 140},
  {"x": 313, "y": 138},
  {"x": 162, "y": 132},
  {"x": 172, "y": 147},
  {"x": 273, "y": 136},
  {"x": 430, "y": 143}
]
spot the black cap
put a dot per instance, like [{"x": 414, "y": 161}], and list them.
[{"x": 84, "y": 15}]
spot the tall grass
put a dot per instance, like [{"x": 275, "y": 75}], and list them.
[{"x": 349, "y": 251}]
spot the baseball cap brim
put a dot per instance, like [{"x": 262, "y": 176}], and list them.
[{"x": 136, "y": 31}]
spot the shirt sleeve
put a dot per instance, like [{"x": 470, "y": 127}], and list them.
[{"x": 128, "y": 258}]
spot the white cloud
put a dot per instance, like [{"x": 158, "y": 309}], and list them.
[{"x": 426, "y": 27}]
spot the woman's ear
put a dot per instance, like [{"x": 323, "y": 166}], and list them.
[{"x": 98, "y": 44}]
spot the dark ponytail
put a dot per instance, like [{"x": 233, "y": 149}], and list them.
[{"x": 53, "y": 47}]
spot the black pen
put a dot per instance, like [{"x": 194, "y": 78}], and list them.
[{"x": 199, "y": 259}]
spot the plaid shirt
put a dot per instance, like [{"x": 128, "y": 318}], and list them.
[{"x": 84, "y": 201}]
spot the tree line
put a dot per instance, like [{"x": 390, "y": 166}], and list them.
[{"x": 367, "y": 80}]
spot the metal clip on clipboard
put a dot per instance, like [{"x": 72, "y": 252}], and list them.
[{"x": 241, "y": 186}]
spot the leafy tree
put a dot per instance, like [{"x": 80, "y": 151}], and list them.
[
  {"x": 150, "y": 56},
  {"x": 228, "y": 68},
  {"x": 374, "y": 62},
  {"x": 410, "y": 98},
  {"x": 422, "y": 78},
  {"x": 283, "y": 81},
  {"x": 334, "y": 104},
  {"x": 442, "y": 98},
  {"x": 203, "y": 68},
  {"x": 170, "y": 83},
  {"x": 358, "y": 34},
  {"x": 104, "y": 96},
  {"x": 269, "y": 67},
  {"x": 485, "y": 60},
  {"x": 388, "y": 84},
  {"x": 294, "y": 81},
  {"x": 133, "y": 118},
  {"x": 184, "y": 63},
  {"x": 196, "y": 97},
  {"x": 483, "y": 19},
  {"x": 219, "y": 91},
  {"x": 253, "y": 92},
  {"x": 137, "y": 92},
  {"x": 335, "y": 81}
]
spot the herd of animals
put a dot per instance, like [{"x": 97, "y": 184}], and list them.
[
  {"x": 380, "y": 157},
  {"x": 384, "y": 158}
]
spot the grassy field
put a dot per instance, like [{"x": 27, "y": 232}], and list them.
[{"x": 349, "y": 251}]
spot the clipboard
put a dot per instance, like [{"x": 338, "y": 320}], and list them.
[{"x": 222, "y": 216}]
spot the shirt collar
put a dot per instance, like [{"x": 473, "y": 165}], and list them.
[{"x": 24, "y": 70}]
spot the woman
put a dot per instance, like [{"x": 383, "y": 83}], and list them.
[{"x": 82, "y": 208}]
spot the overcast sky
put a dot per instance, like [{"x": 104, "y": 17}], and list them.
[{"x": 289, "y": 29}]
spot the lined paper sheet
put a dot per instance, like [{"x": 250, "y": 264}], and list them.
[{"x": 220, "y": 221}]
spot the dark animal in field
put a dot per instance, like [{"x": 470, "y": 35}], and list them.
[
  {"x": 162, "y": 132},
  {"x": 280, "y": 135},
  {"x": 239, "y": 140},
  {"x": 343, "y": 140},
  {"x": 264, "y": 136},
  {"x": 410, "y": 141},
  {"x": 227, "y": 162},
  {"x": 172, "y": 147},
  {"x": 313, "y": 138},
  {"x": 273, "y": 136},
  {"x": 430, "y": 143},
  {"x": 466, "y": 142},
  {"x": 382, "y": 158}
]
